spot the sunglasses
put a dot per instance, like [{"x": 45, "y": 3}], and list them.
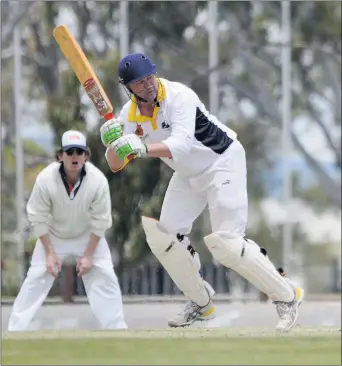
[{"x": 71, "y": 151}]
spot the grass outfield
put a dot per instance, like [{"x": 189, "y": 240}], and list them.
[{"x": 302, "y": 346}]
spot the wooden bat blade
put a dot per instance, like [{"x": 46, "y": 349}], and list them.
[{"x": 83, "y": 70}]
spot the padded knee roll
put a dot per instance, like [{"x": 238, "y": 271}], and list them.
[
  {"x": 177, "y": 261},
  {"x": 245, "y": 257}
]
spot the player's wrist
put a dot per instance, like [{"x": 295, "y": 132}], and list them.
[
  {"x": 50, "y": 253},
  {"x": 144, "y": 154}
]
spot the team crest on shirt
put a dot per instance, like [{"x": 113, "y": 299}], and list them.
[
  {"x": 165, "y": 126},
  {"x": 139, "y": 131}
]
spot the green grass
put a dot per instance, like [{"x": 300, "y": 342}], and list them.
[{"x": 305, "y": 346}]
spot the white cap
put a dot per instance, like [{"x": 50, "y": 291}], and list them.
[{"x": 73, "y": 139}]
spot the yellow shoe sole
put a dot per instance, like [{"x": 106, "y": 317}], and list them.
[{"x": 209, "y": 314}]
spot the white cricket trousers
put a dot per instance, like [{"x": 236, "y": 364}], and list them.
[
  {"x": 223, "y": 187},
  {"x": 101, "y": 284}
]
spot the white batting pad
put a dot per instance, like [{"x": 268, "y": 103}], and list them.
[
  {"x": 245, "y": 258},
  {"x": 177, "y": 260}
]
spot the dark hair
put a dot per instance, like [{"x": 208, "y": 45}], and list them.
[{"x": 60, "y": 151}]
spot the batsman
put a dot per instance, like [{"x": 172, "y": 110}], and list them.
[{"x": 167, "y": 120}]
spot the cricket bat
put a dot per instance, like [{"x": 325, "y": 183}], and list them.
[{"x": 84, "y": 71}]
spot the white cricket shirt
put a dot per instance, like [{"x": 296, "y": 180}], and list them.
[
  {"x": 195, "y": 138},
  {"x": 51, "y": 209}
]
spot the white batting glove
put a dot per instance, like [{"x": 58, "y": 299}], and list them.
[
  {"x": 129, "y": 145},
  {"x": 110, "y": 131}
]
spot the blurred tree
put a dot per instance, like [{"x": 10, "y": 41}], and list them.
[
  {"x": 62, "y": 92},
  {"x": 316, "y": 84},
  {"x": 175, "y": 35},
  {"x": 35, "y": 159}
]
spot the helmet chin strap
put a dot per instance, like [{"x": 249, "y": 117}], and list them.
[
  {"x": 139, "y": 99},
  {"x": 129, "y": 93}
]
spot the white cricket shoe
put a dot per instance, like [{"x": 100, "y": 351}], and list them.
[
  {"x": 299, "y": 292},
  {"x": 193, "y": 312},
  {"x": 288, "y": 313}
]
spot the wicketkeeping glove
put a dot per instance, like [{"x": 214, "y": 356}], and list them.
[
  {"x": 110, "y": 131},
  {"x": 129, "y": 145}
]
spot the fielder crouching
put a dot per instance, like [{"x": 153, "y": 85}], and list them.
[{"x": 70, "y": 210}]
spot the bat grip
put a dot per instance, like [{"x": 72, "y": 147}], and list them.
[{"x": 109, "y": 116}]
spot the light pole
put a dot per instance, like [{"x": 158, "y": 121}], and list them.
[
  {"x": 286, "y": 128},
  {"x": 19, "y": 154},
  {"x": 213, "y": 58},
  {"x": 124, "y": 38}
]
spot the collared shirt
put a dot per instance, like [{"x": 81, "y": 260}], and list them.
[
  {"x": 72, "y": 189},
  {"x": 52, "y": 208},
  {"x": 195, "y": 138}
]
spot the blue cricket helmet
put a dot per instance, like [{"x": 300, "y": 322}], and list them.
[{"x": 134, "y": 67}]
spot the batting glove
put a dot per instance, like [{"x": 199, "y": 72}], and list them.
[
  {"x": 129, "y": 145},
  {"x": 110, "y": 131}
]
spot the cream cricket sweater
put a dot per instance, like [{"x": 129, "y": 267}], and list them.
[{"x": 51, "y": 210}]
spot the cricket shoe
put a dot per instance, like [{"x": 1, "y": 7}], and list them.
[
  {"x": 288, "y": 313},
  {"x": 194, "y": 313},
  {"x": 191, "y": 314}
]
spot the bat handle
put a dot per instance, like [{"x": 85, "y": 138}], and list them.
[{"x": 109, "y": 116}]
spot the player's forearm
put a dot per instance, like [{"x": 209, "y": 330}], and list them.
[
  {"x": 113, "y": 160},
  {"x": 158, "y": 150},
  {"x": 93, "y": 242},
  {"x": 45, "y": 240}
]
